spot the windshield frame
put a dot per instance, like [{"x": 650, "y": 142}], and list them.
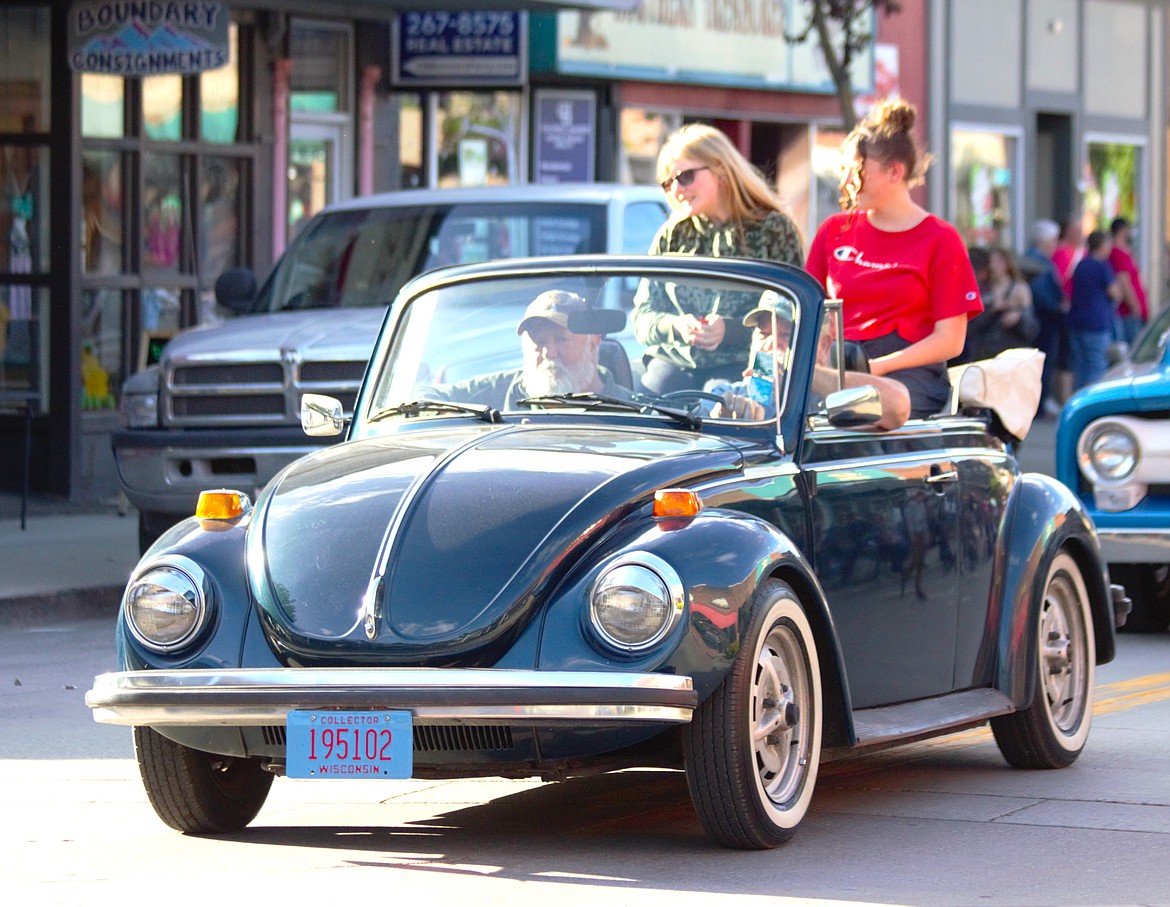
[{"x": 795, "y": 285}]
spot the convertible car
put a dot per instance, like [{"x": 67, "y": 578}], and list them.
[{"x": 559, "y": 582}]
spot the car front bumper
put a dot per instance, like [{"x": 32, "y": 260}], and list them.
[
  {"x": 1135, "y": 546},
  {"x": 251, "y": 697}
]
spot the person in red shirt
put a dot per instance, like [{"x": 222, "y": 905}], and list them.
[
  {"x": 903, "y": 274},
  {"x": 1133, "y": 310}
]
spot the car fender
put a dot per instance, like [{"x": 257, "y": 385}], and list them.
[
  {"x": 722, "y": 557},
  {"x": 233, "y": 637},
  {"x": 1043, "y": 517}
]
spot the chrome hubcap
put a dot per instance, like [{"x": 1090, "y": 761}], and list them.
[
  {"x": 780, "y": 705},
  {"x": 1063, "y": 659}
]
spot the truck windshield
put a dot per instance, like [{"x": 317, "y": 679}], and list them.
[{"x": 359, "y": 258}]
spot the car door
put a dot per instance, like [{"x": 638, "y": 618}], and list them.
[{"x": 883, "y": 510}]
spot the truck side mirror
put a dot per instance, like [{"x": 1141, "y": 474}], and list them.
[{"x": 235, "y": 289}]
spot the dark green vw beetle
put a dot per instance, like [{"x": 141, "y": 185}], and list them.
[{"x": 503, "y": 573}]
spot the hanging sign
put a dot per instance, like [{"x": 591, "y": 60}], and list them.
[
  {"x": 148, "y": 37},
  {"x": 440, "y": 48}
]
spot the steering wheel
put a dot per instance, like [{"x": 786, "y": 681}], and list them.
[{"x": 690, "y": 394}]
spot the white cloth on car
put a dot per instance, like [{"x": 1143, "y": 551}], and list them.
[{"x": 1009, "y": 385}]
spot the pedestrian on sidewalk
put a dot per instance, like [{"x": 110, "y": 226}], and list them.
[{"x": 1095, "y": 293}]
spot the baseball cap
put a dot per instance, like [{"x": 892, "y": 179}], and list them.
[
  {"x": 551, "y": 305},
  {"x": 770, "y": 304}
]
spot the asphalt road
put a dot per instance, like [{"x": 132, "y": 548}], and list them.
[{"x": 943, "y": 823}]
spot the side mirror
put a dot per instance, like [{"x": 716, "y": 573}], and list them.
[
  {"x": 854, "y": 407},
  {"x": 1117, "y": 352},
  {"x": 321, "y": 416},
  {"x": 235, "y": 289}
]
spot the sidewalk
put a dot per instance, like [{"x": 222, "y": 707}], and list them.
[
  {"x": 69, "y": 560},
  {"x": 74, "y": 560}
]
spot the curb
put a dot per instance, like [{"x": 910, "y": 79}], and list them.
[{"x": 52, "y": 607}]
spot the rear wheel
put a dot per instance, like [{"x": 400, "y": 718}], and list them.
[
  {"x": 1052, "y": 730},
  {"x": 1148, "y": 586},
  {"x": 753, "y": 747},
  {"x": 196, "y": 792}
]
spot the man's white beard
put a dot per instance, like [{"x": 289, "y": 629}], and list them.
[{"x": 556, "y": 378}]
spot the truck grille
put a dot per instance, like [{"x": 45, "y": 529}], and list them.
[{"x": 217, "y": 395}]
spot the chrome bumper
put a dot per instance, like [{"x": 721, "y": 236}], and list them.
[
  {"x": 1135, "y": 546},
  {"x": 242, "y": 697}
]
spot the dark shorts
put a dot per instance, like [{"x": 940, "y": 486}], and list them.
[{"x": 929, "y": 385}]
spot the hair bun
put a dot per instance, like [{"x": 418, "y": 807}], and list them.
[{"x": 899, "y": 115}]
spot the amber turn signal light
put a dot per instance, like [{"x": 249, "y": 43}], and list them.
[
  {"x": 676, "y": 502},
  {"x": 221, "y": 504}
]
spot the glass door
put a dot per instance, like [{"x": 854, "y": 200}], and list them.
[{"x": 317, "y": 171}]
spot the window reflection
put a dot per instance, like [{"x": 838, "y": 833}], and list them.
[
  {"x": 24, "y": 201},
  {"x": 24, "y": 338},
  {"x": 219, "y": 194},
  {"x": 1111, "y": 184},
  {"x": 101, "y": 200},
  {"x": 477, "y": 136}
]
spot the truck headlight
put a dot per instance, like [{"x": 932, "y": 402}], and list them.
[
  {"x": 166, "y": 603},
  {"x": 139, "y": 405},
  {"x": 635, "y": 602},
  {"x": 1108, "y": 453}
]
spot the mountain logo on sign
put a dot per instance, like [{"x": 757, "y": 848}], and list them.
[{"x": 135, "y": 37}]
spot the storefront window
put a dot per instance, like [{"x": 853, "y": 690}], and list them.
[
  {"x": 102, "y": 106},
  {"x": 102, "y": 333},
  {"x": 24, "y": 69},
  {"x": 477, "y": 136},
  {"x": 101, "y": 199},
  {"x": 826, "y": 164},
  {"x": 24, "y": 203},
  {"x": 1112, "y": 184},
  {"x": 219, "y": 96},
  {"x": 162, "y": 107},
  {"x": 162, "y": 210},
  {"x": 219, "y": 210},
  {"x": 321, "y": 68},
  {"x": 410, "y": 141},
  {"x": 983, "y": 190},
  {"x": 24, "y": 338}
]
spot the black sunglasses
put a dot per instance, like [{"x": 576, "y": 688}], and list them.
[{"x": 684, "y": 178}]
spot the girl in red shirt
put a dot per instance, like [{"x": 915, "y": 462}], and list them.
[{"x": 904, "y": 274}]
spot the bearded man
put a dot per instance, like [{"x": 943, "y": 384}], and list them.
[{"x": 556, "y": 360}]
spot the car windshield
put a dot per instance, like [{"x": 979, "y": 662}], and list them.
[
  {"x": 529, "y": 344},
  {"x": 355, "y": 258},
  {"x": 1153, "y": 340}
]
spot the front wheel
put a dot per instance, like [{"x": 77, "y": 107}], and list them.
[
  {"x": 1052, "y": 730},
  {"x": 753, "y": 747},
  {"x": 196, "y": 792}
]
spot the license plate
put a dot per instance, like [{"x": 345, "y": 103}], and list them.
[{"x": 349, "y": 745}]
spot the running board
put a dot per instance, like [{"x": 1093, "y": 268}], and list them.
[{"x": 908, "y": 721}]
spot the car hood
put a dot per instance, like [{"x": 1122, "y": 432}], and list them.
[
  {"x": 435, "y": 547},
  {"x": 1143, "y": 386},
  {"x": 324, "y": 334}
]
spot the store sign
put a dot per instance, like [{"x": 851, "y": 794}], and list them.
[
  {"x": 148, "y": 37},
  {"x": 565, "y": 136},
  {"x": 740, "y": 43},
  {"x": 460, "y": 48}
]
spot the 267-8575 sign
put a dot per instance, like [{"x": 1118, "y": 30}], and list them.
[
  {"x": 438, "y": 47},
  {"x": 148, "y": 37}
]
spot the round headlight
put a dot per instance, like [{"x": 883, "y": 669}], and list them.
[
  {"x": 1109, "y": 454},
  {"x": 635, "y": 602},
  {"x": 166, "y": 604}
]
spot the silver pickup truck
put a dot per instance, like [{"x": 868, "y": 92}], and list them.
[{"x": 222, "y": 406}]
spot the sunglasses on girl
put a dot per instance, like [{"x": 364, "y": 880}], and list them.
[{"x": 684, "y": 178}]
